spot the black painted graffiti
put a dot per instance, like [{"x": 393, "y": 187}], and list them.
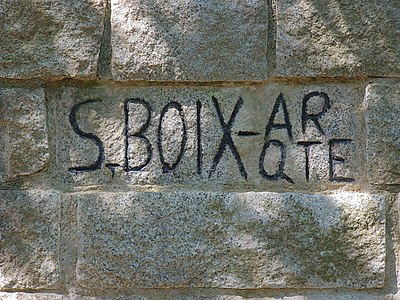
[
  {"x": 90, "y": 136},
  {"x": 166, "y": 167},
  {"x": 198, "y": 137},
  {"x": 336, "y": 159},
  {"x": 307, "y": 146},
  {"x": 138, "y": 116},
  {"x": 139, "y": 134},
  {"x": 280, "y": 101},
  {"x": 305, "y": 115},
  {"x": 227, "y": 138},
  {"x": 246, "y": 133},
  {"x": 279, "y": 174}
]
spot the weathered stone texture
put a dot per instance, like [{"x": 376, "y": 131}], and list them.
[
  {"x": 189, "y": 40},
  {"x": 39, "y": 296},
  {"x": 383, "y": 133},
  {"x": 338, "y": 38},
  {"x": 23, "y": 132},
  {"x": 230, "y": 240},
  {"x": 176, "y": 294},
  {"x": 50, "y": 38},
  {"x": 232, "y": 148},
  {"x": 29, "y": 233}
]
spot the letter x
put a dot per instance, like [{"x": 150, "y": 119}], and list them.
[{"x": 227, "y": 138}]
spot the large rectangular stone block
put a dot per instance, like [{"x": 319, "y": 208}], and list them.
[
  {"x": 50, "y": 38},
  {"x": 39, "y": 296},
  {"x": 29, "y": 235},
  {"x": 23, "y": 132},
  {"x": 285, "y": 136},
  {"x": 338, "y": 38},
  {"x": 383, "y": 133},
  {"x": 230, "y": 240},
  {"x": 189, "y": 40}
]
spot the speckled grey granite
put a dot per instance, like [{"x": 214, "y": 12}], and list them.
[
  {"x": 383, "y": 133},
  {"x": 23, "y": 132},
  {"x": 189, "y": 40},
  {"x": 337, "y": 38},
  {"x": 50, "y": 38},
  {"x": 29, "y": 240},
  {"x": 233, "y": 137},
  {"x": 230, "y": 240}
]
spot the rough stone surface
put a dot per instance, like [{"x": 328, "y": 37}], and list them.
[
  {"x": 29, "y": 233},
  {"x": 132, "y": 148},
  {"x": 230, "y": 240},
  {"x": 189, "y": 40},
  {"x": 23, "y": 132},
  {"x": 50, "y": 38},
  {"x": 383, "y": 133},
  {"x": 338, "y": 38},
  {"x": 202, "y": 295},
  {"x": 38, "y": 296}
]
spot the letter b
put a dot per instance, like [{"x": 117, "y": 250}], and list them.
[{"x": 138, "y": 134}]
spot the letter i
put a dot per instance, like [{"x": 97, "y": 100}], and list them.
[{"x": 199, "y": 148}]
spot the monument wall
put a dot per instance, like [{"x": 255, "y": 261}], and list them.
[{"x": 199, "y": 149}]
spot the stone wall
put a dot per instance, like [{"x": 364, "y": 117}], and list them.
[{"x": 199, "y": 149}]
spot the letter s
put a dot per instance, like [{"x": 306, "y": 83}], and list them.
[{"x": 90, "y": 136}]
